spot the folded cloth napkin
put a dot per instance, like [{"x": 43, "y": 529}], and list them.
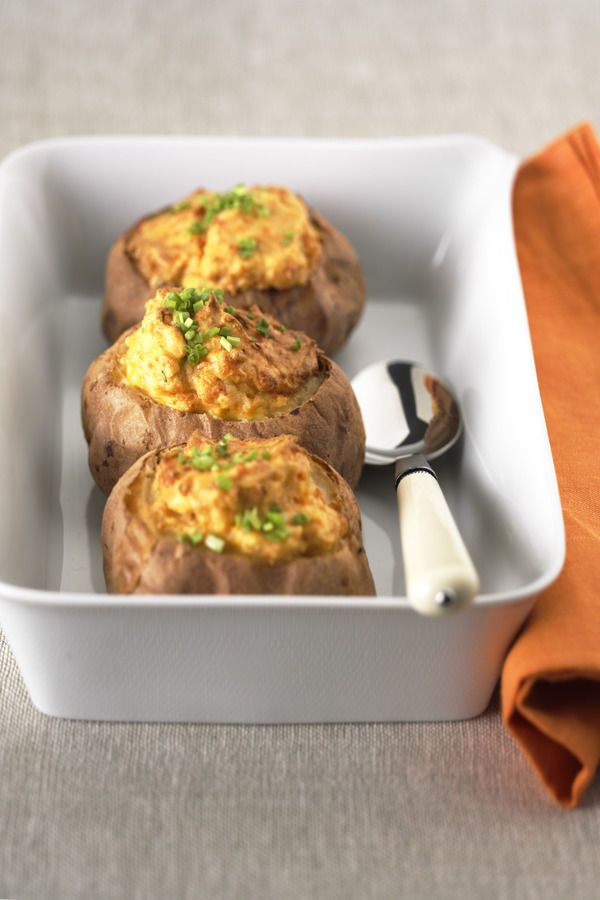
[{"x": 551, "y": 677}]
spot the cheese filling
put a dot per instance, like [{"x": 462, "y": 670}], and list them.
[
  {"x": 259, "y": 237},
  {"x": 260, "y": 498},
  {"x": 193, "y": 353}
]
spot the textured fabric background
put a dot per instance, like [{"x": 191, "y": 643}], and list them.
[{"x": 419, "y": 811}]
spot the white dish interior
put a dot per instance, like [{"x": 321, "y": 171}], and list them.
[
  {"x": 431, "y": 221},
  {"x": 442, "y": 290}
]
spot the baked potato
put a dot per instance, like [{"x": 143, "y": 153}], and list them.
[
  {"x": 234, "y": 516},
  {"x": 259, "y": 245},
  {"x": 195, "y": 363}
]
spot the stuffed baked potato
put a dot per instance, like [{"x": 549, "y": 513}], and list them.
[
  {"x": 234, "y": 516},
  {"x": 259, "y": 245},
  {"x": 195, "y": 363}
]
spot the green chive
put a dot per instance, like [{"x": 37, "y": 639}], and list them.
[
  {"x": 263, "y": 327},
  {"x": 247, "y": 247},
  {"x": 203, "y": 463},
  {"x": 194, "y": 538},
  {"x": 300, "y": 519},
  {"x": 223, "y": 482},
  {"x": 277, "y": 536},
  {"x": 215, "y": 543},
  {"x": 297, "y": 344},
  {"x": 253, "y": 518},
  {"x": 179, "y": 207},
  {"x": 288, "y": 238}
]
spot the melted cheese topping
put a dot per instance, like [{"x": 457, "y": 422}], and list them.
[
  {"x": 256, "y": 376},
  {"x": 228, "y": 507},
  {"x": 267, "y": 242}
]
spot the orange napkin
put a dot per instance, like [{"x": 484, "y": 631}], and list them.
[{"x": 551, "y": 677}]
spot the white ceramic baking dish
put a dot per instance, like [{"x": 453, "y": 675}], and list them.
[{"x": 431, "y": 220}]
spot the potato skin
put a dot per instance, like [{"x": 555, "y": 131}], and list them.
[
  {"x": 121, "y": 423},
  {"x": 326, "y": 308},
  {"x": 136, "y": 563}
]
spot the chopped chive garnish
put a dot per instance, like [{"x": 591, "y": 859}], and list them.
[
  {"x": 251, "y": 455},
  {"x": 263, "y": 327},
  {"x": 196, "y": 228},
  {"x": 205, "y": 458},
  {"x": 247, "y": 247},
  {"x": 195, "y": 354},
  {"x": 223, "y": 482},
  {"x": 300, "y": 519},
  {"x": 297, "y": 344},
  {"x": 185, "y": 305},
  {"x": 203, "y": 463},
  {"x": 265, "y": 454},
  {"x": 179, "y": 207},
  {"x": 271, "y": 526},
  {"x": 249, "y": 520},
  {"x": 282, "y": 329},
  {"x": 238, "y": 198},
  {"x": 226, "y": 344},
  {"x": 288, "y": 238},
  {"x": 230, "y": 309},
  {"x": 214, "y": 543},
  {"x": 194, "y": 538},
  {"x": 222, "y": 445}
]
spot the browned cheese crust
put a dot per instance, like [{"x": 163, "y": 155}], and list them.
[
  {"x": 326, "y": 308},
  {"x": 122, "y": 423},
  {"x": 136, "y": 562}
]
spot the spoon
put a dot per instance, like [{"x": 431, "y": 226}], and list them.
[{"x": 410, "y": 416}]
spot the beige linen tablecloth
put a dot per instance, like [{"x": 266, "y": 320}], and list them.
[{"x": 348, "y": 811}]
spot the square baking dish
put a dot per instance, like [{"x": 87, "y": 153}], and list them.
[{"x": 431, "y": 220}]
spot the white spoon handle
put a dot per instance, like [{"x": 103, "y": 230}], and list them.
[{"x": 439, "y": 573}]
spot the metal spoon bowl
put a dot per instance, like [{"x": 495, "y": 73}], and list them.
[{"x": 410, "y": 417}]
